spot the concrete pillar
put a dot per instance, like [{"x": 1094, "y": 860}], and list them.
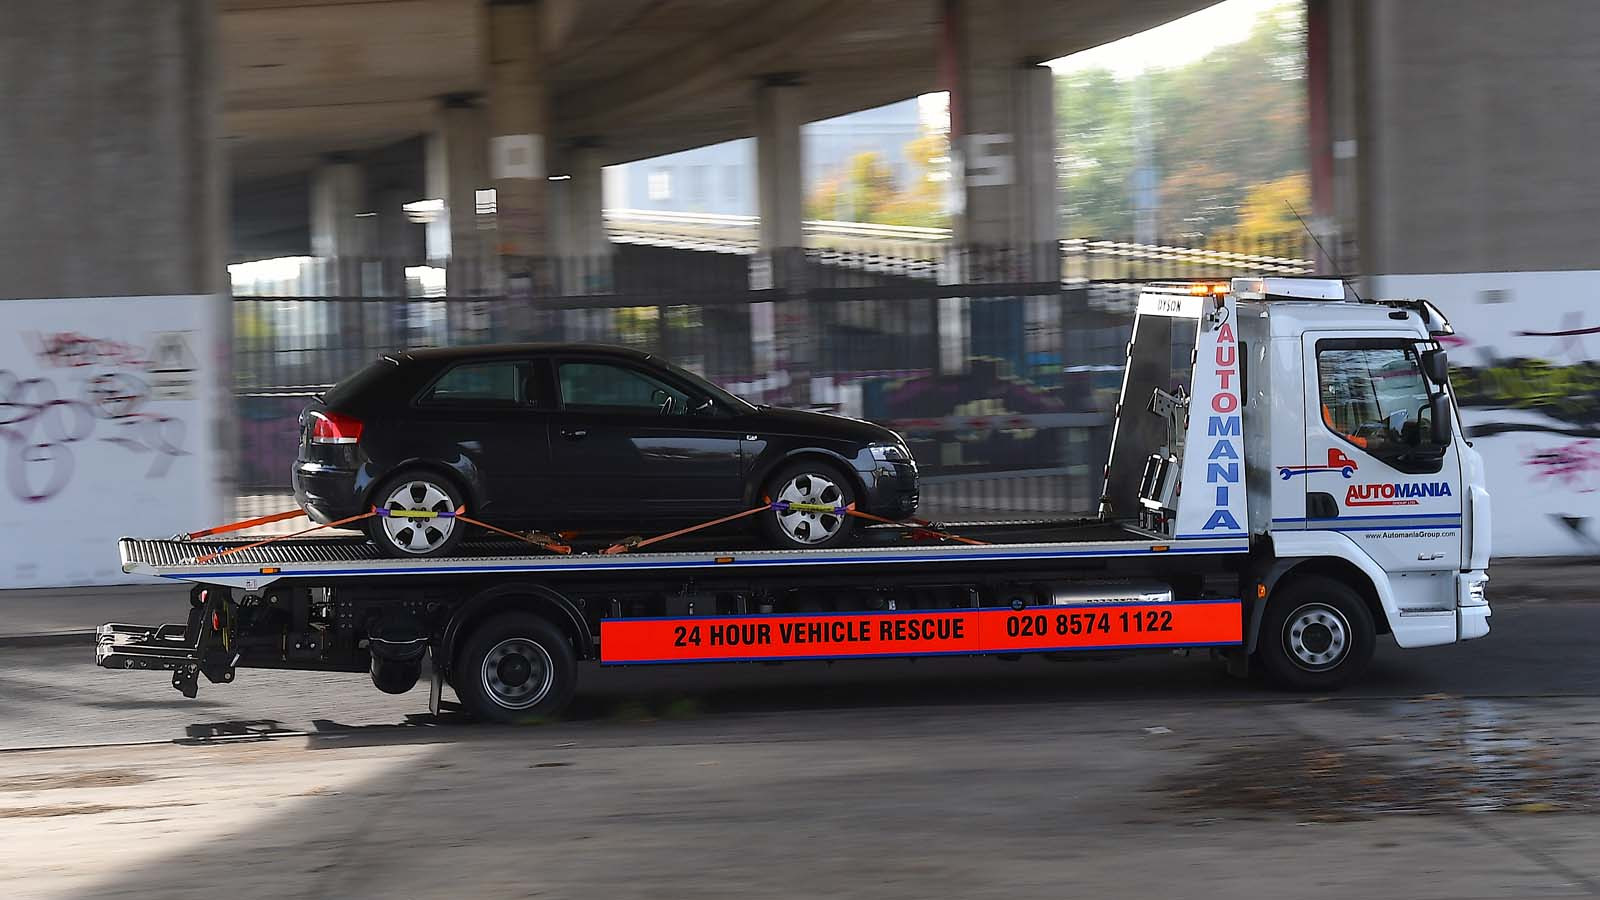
[
  {"x": 780, "y": 203},
  {"x": 340, "y": 226},
  {"x": 1334, "y": 86},
  {"x": 113, "y": 180},
  {"x": 399, "y": 242},
  {"x": 519, "y": 130},
  {"x": 1002, "y": 124},
  {"x": 780, "y": 195},
  {"x": 1469, "y": 154},
  {"x": 456, "y": 168},
  {"x": 577, "y": 201}
]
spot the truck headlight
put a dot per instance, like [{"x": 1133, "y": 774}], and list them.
[{"x": 890, "y": 453}]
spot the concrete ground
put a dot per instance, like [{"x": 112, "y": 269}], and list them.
[{"x": 1463, "y": 771}]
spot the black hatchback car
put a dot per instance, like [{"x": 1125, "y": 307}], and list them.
[{"x": 555, "y": 436}]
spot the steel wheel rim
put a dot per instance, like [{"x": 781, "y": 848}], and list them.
[
  {"x": 808, "y": 526},
  {"x": 1317, "y": 637},
  {"x": 419, "y": 536},
  {"x": 516, "y": 673}
]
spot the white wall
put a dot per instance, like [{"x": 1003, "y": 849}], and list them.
[
  {"x": 1544, "y": 464},
  {"x": 108, "y": 427}
]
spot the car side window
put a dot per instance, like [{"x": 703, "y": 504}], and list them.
[
  {"x": 612, "y": 387},
  {"x": 497, "y": 383},
  {"x": 1377, "y": 399}
]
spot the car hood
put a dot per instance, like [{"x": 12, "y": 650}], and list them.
[{"x": 801, "y": 423}]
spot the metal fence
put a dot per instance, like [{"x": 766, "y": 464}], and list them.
[{"x": 1001, "y": 368}]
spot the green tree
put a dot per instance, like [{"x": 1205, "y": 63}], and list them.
[
  {"x": 1219, "y": 126},
  {"x": 1094, "y": 128},
  {"x": 1269, "y": 209},
  {"x": 866, "y": 191}
]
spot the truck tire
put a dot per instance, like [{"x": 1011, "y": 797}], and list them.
[
  {"x": 815, "y": 482},
  {"x": 515, "y": 667},
  {"x": 1317, "y": 635}
]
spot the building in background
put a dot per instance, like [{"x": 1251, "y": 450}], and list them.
[{"x": 720, "y": 178}]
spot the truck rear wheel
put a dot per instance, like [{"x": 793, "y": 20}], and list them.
[
  {"x": 1317, "y": 635},
  {"x": 515, "y": 667}
]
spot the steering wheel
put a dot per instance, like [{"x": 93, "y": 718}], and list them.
[{"x": 664, "y": 400}]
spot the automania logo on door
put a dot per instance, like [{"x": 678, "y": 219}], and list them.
[{"x": 1394, "y": 493}]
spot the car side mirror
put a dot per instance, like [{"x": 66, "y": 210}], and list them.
[
  {"x": 1437, "y": 366},
  {"x": 1439, "y": 410},
  {"x": 705, "y": 406}
]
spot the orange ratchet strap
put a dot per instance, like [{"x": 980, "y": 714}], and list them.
[
  {"x": 634, "y": 543},
  {"x": 221, "y": 553},
  {"x": 242, "y": 525},
  {"x": 542, "y": 541},
  {"x": 922, "y": 527}
]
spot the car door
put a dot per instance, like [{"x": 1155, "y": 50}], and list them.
[
  {"x": 480, "y": 417},
  {"x": 1372, "y": 471},
  {"x": 627, "y": 441}
]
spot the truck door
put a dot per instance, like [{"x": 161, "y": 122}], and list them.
[{"x": 1373, "y": 471}]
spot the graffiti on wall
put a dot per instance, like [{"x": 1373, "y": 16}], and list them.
[
  {"x": 90, "y": 389},
  {"x": 1527, "y": 377}
]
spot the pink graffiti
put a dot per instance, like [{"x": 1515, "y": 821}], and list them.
[
  {"x": 1575, "y": 466},
  {"x": 69, "y": 349},
  {"x": 39, "y": 426}
]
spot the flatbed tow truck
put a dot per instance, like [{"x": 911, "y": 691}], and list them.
[{"x": 1287, "y": 481}]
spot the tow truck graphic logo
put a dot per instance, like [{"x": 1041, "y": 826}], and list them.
[{"x": 1337, "y": 462}]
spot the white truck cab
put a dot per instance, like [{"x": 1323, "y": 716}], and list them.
[{"x": 1325, "y": 429}]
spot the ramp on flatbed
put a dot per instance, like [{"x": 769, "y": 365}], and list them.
[{"x": 354, "y": 557}]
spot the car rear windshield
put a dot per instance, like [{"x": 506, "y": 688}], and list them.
[{"x": 355, "y": 385}]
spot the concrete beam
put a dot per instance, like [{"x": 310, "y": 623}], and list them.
[
  {"x": 341, "y": 232},
  {"x": 113, "y": 179},
  {"x": 519, "y": 132},
  {"x": 1002, "y": 114},
  {"x": 779, "y": 167},
  {"x": 457, "y": 167},
  {"x": 1473, "y": 150}
]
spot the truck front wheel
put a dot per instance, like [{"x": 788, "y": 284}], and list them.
[
  {"x": 1317, "y": 635},
  {"x": 515, "y": 667}
]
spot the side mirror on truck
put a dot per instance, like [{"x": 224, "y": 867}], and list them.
[
  {"x": 1439, "y": 411},
  {"x": 1436, "y": 366}
]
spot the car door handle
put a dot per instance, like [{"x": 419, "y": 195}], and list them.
[
  {"x": 574, "y": 434},
  {"x": 1428, "y": 557}
]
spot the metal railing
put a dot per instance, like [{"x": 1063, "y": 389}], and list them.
[
  {"x": 1081, "y": 258},
  {"x": 1001, "y": 366}
]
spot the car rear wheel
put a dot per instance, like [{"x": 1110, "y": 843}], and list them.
[
  {"x": 819, "y": 493},
  {"x": 420, "y": 532}
]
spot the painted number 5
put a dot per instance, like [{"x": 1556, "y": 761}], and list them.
[{"x": 988, "y": 160}]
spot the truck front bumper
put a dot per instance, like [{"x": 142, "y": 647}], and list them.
[{"x": 1472, "y": 605}]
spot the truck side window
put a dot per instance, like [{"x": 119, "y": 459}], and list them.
[{"x": 1376, "y": 398}]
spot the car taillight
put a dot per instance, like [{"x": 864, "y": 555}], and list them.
[{"x": 333, "y": 428}]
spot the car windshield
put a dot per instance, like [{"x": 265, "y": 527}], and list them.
[{"x": 719, "y": 394}]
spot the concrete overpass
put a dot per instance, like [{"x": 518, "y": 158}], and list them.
[
  {"x": 308, "y": 113},
  {"x": 1448, "y": 135}
]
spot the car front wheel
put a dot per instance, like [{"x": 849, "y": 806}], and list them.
[{"x": 812, "y": 498}]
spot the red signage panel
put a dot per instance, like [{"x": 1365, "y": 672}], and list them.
[{"x": 920, "y": 633}]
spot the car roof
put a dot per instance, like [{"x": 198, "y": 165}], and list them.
[{"x": 498, "y": 351}]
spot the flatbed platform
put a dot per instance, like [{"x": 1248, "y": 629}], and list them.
[{"x": 354, "y": 557}]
